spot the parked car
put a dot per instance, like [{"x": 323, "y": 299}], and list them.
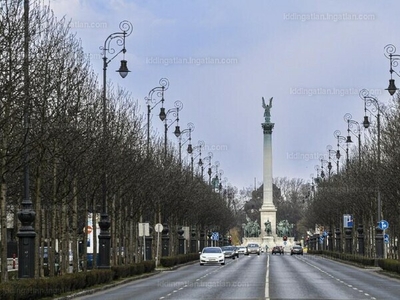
[
  {"x": 212, "y": 255},
  {"x": 277, "y": 249},
  {"x": 230, "y": 252},
  {"x": 253, "y": 248},
  {"x": 296, "y": 249}
]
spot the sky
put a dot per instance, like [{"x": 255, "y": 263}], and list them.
[{"x": 221, "y": 57}]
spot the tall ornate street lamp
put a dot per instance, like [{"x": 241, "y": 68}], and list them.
[
  {"x": 200, "y": 145},
  {"x": 209, "y": 171},
  {"x": 335, "y": 154},
  {"x": 104, "y": 223},
  {"x": 178, "y": 106},
  {"x": 368, "y": 101},
  {"x": 187, "y": 131},
  {"x": 393, "y": 58},
  {"x": 341, "y": 139},
  {"x": 317, "y": 179},
  {"x": 158, "y": 91},
  {"x": 357, "y": 132},
  {"x": 329, "y": 167},
  {"x": 26, "y": 233},
  {"x": 214, "y": 181}
]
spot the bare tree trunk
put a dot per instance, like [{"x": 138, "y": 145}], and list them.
[
  {"x": 64, "y": 236},
  {"x": 38, "y": 227},
  {"x": 114, "y": 243},
  {"x": 95, "y": 223},
  {"x": 53, "y": 225},
  {"x": 3, "y": 244},
  {"x": 85, "y": 237},
  {"x": 75, "y": 226}
]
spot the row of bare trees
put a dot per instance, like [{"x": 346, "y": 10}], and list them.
[
  {"x": 66, "y": 149},
  {"x": 355, "y": 189}
]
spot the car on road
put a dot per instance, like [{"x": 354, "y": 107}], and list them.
[
  {"x": 277, "y": 250},
  {"x": 242, "y": 250},
  {"x": 212, "y": 255},
  {"x": 296, "y": 249},
  {"x": 253, "y": 248},
  {"x": 230, "y": 252}
]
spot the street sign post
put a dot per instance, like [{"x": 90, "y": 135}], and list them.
[
  {"x": 144, "y": 230},
  {"x": 158, "y": 228}
]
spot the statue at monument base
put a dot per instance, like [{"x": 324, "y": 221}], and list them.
[
  {"x": 251, "y": 228},
  {"x": 268, "y": 227}
]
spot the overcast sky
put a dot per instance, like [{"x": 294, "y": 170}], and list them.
[{"x": 222, "y": 56}]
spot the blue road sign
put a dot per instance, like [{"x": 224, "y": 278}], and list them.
[
  {"x": 325, "y": 233},
  {"x": 215, "y": 236},
  {"x": 348, "y": 221},
  {"x": 321, "y": 239},
  {"x": 386, "y": 239},
  {"x": 383, "y": 224}
]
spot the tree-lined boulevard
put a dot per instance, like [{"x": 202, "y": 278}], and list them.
[{"x": 91, "y": 189}]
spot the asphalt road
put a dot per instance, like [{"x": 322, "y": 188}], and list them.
[
  {"x": 314, "y": 277},
  {"x": 261, "y": 277}
]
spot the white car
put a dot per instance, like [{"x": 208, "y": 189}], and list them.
[
  {"x": 212, "y": 255},
  {"x": 242, "y": 250}
]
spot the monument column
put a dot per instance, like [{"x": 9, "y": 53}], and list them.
[{"x": 268, "y": 209}]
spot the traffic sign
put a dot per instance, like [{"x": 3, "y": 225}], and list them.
[
  {"x": 348, "y": 221},
  {"x": 88, "y": 228},
  {"x": 215, "y": 236},
  {"x": 386, "y": 239},
  {"x": 383, "y": 224},
  {"x": 158, "y": 227}
]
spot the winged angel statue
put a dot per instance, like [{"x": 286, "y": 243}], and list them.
[{"x": 267, "y": 110}]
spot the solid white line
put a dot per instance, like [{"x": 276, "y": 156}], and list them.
[{"x": 267, "y": 280}]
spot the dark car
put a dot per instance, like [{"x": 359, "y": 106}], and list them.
[
  {"x": 253, "y": 249},
  {"x": 296, "y": 249},
  {"x": 277, "y": 249}
]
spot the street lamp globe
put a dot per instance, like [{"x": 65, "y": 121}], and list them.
[
  {"x": 338, "y": 154},
  {"x": 392, "y": 87},
  {"x": 162, "y": 114},
  {"x": 123, "y": 69},
  {"x": 177, "y": 131},
  {"x": 366, "y": 122}
]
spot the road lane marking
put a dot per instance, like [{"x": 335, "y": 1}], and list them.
[{"x": 267, "y": 281}]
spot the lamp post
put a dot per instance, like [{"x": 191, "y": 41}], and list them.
[
  {"x": 368, "y": 101},
  {"x": 393, "y": 58},
  {"x": 187, "y": 131},
  {"x": 341, "y": 139},
  {"x": 317, "y": 179},
  {"x": 215, "y": 180},
  {"x": 209, "y": 171},
  {"x": 178, "y": 105},
  {"x": 26, "y": 233},
  {"x": 104, "y": 223},
  {"x": 200, "y": 145},
  {"x": 336, "y": 154},
  {"x": 348, "y": 118},
  {"x": 159, "y": 92},
  {"x": 329, "y": 166}
]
